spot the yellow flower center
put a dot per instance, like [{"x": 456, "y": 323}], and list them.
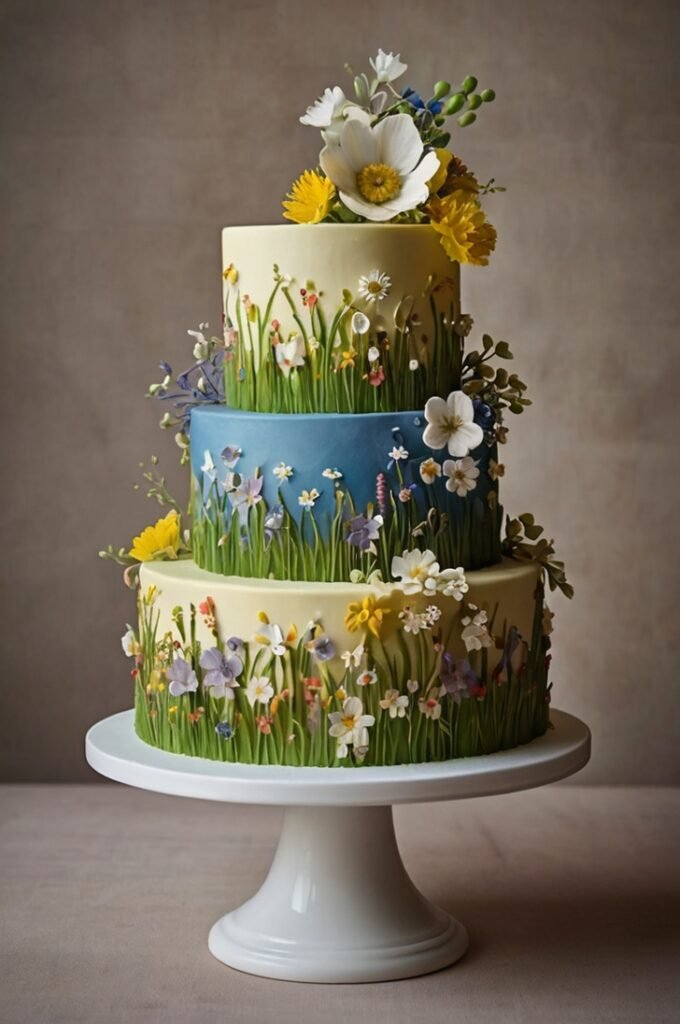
[
  {"x": 374, "y": 287},
  {"x": 348, "y": 722},
  {"x": 452, "y": 423},
  {"x": 378, "y": 183}
]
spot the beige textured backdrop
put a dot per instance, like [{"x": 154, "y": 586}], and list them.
[{"x": 132, "y": 131}]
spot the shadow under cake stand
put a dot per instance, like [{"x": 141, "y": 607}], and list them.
[{"x": 337, "y": 904}]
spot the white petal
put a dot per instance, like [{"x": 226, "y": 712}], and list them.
[
  {"x": 398, "y": 143},
  {"x": 436, "y": 409},
  {"x": 335, "y": 166},
  {"x": 359, "y": 144},
  {"x": 372, "y": 211},
  {"x": 460, "y": 405},
  {"x": 467, "y": 437},
  {"x": 434, "y": 437}
]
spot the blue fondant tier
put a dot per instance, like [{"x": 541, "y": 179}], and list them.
[{"x": 234, "y": 456}]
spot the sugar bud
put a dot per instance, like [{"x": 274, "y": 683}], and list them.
[
  {"x": 468, "y": 118},
  {"x": 469, "y": 85},
  {"x": 454, "y": 103},
  {"x": 441, "y": 90},
  {"x": 488, "y": 95},
  {"x": 474, "y": 101}
]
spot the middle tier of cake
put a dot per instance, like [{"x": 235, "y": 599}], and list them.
[{"x": 335, "y": 497}]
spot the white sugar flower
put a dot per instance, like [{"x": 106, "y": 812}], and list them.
[
  {"x": 367, "y": 678},
  {"x": 259, "y": 690},
  {"x": 374, "y": 286},
  {"x": 430, "y": 707},
  {"x": 413, "y": 622},
  {"x": 208, "y": 466},
  {"x": 291, "y": 353},
  {"x": 360, "y": 323},
  {"x": 350, "y": 726},
  {"x": 433, "y": 614},
  {"x": 451, "y": 424},
  {"x": 452, "y": 583},
  {"x": 394, "y": 703},
  {"x": 429, "y": 471},
  {"x": 387, "y": 67},
  {"x": 461, "y": 475},
  {"x": 352, "y": 659},
  {"x": 282, "y": 471},
  {"x": 413, "y": 365},
  {"x": 475, "y": 634},
  {"x": 332, "y": 474},
  {"x": 129, "y": 643},
  {"x": 201, "y": 348},
  {"x": 308, "y": 499},
  {"x": 373, "y": 354},
  {"x": 379, "y": 171},
  {"x": 398, "y": 453},
  {"x": 327, "y": 109},
  {"x": 271, "y": 636},
  {"x": 412, "y": 685},
  {"x": 417, "y": 571}
]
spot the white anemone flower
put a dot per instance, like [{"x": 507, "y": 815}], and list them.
[
  {"x": 379, "y": 171},
  {"x": 461, "y": 475},
  {"x": 387, "y": 67},
  {"x": 417, "y": 571},
  {"x": 327, "y": 109},
  {"x": 259, "y": 690},
  {"x": 290, "y": 354},
  {"x": 451, "y": 424},
  {"x": 270, "y": 636},
  {"x": 350, "y": 726},
  {"x": 374, "y": 287}
]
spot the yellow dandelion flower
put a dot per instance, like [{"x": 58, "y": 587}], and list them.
[
  {"x": 466, "y": 234},
  {"x": 160, "y": 541},
  {"x": 309, "y": 199},
  {"x": 367, "y": 614}
]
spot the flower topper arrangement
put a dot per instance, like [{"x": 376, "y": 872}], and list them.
[{"x": 386, "y": 159}]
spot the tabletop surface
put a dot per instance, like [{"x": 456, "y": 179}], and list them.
[
  {"x": 113, "y": 749},
  {"x": 570, "y": 894}
]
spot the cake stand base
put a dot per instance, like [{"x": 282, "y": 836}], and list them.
[{"x": 338, "y": 906}]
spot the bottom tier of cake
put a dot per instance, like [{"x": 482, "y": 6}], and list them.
[{"x": 339, "y": 674}]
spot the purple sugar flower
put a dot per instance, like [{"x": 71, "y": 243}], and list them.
[
  {"x": 222, "y": 671},
  {"x": 458, "y": 678},
  {"x": 182, "y": 678},
  {"x": 246, "y": 494},
  {"x": 273, "y": 522},
  {"x": 225, "y": 730},
  {"x": 323, "y": 648},
  {"x": 236, "y": 646},
  {"x": 484, "y": 415},
  {"x": 230, "y": 455},
  {"x": 362, "y": 531}
]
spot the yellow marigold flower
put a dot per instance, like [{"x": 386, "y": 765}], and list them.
[
  {"x": 366, "y": 614},
  {"x": 162, "y": 540},
  {"x": 309, "y": 199},
  {"x": 466, "y": 234}
]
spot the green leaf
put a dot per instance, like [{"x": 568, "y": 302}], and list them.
[{"x": 503, "y": 350}]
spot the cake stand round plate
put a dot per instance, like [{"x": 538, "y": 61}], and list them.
[{"x": 337, "y": 904}]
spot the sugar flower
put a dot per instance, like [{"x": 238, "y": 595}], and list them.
[
  {"x": 430, "y": 707},
  {"x": 399, "y": 453},
  {"x": 160, "y": 541},
  {"x": 450, "y": 423},
  {"x": 352, "y": 659},
  {"x": 220, "y": 672},
  {"x": 496, "y": 469},
  {"x": 452, "y": 583},
  {"x": 429, "y": 471},
  {"x": 461, "y": 475},
  {"x": 230, "y": 455},
  {"x": 394, "y": 703},
  {"x": 413, "y": 365},
  {"x": 413, "y": 622},
  {"x": 224, "y": 730},
  {"x": 387, "y": 67},
  {"x": 129, "y": 643},
  {"x": 182, "y": 678},
  {"x": 367, "y": 614},
  {"x": 208, "y": 466},
  {"x": 350, "y": 726},
  {"x": 290, "y": 354},
  {"x": 373, "y": 354},
  {"x": 412, "y": 685},
  {"x": 367, "y": 678},
  {"x": 475, "y": 634},
  {"x": 327, "y": 109},
  {"x": 247, "y": 494},
  {"x": 362, "y": 531},
  {"x": 458, "y": 678},
  {"x": 374, "y": 287},
  {"x": 259, "y": 690},
  {"x": 310, "y": 198},
  {"x": 282, "y": 471},
  {"x": 360, "y": 323},
  {"x": 322, "y": 647},
  {"x": 379, "y": 171},
  {"x": 270, "y": 636},
  {"x": 236, "y": 646},
  {"x": 273, "y": 521},
  {"x": 308, "y": 499},
  {"x": 376, "y": 376},
  {"x": 332, "y": 474},
  {"x": 466, "y": 234},
  {"x": 417, "y": 570}
]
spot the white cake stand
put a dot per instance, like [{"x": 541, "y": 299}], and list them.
[{"x": 337, "y": 905}]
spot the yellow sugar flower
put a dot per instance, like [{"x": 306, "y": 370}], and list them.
[
  {"x": 466, "y": 234},
  {"x": 366, "y": 614},
  {"x": 230, "y": 274},
  {"x": 438, "y": 179},
  {"x": 162, "y": 540},
  {"x": 309, "y": 199}
]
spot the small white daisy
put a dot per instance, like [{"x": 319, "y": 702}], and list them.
[
  {"x": 374, "y": 286},
  {"x": 282, "y": 471},
  {"x": 398, "y": 453},
  {"x": 332, "y": 474}
]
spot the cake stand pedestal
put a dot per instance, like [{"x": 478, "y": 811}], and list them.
[{"x": 337, "y": 904}]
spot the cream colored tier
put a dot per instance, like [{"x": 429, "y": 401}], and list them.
[
  {"x": 507, "y": 589},
  {"x": 333, "y": 257}
]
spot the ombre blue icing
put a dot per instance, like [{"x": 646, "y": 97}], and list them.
[{"x": 251, "y": 445}]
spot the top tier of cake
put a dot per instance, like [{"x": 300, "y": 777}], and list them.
[{"x": 339, "y": 318}]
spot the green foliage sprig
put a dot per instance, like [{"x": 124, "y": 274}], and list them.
[
  {"x": 520, "y": 535},
  {"x": 493, "y": 385}
]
